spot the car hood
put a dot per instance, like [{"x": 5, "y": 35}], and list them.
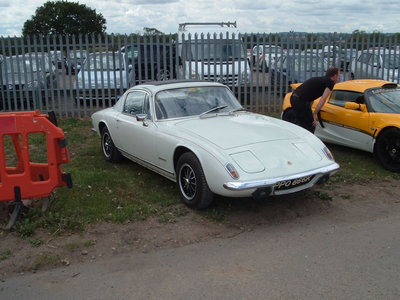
[
  {"x": 257, "y": 142},
  {"x": 303, "y": 76},
  {"x": 232, "y": 131},
  {"x": 13, "y": 79},
  {"x": 101, "y": 79}
]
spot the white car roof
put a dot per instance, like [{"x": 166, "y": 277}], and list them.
[{"x": 157, "y": 86}]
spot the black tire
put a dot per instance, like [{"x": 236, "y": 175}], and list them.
[
  {"x": 263, "y": 67},
  {"x": 110, "y": 152},
  {"x": 387, "y": 149},
  {"x": 192, "y": 183},
  {"x": 289, "y": 116},
  {"x": 163, "y": 74}
]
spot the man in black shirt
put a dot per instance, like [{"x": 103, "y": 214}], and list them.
[{"x": 306, "y": 93}]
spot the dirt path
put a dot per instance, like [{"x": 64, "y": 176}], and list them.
[{"x": 357, "y": 202}]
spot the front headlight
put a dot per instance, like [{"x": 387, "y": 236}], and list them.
[
  {"x": 328, "y": 153},
  {"x": 232, "y": 171}
]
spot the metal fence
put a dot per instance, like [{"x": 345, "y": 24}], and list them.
[{"x": 77, "y": 75}]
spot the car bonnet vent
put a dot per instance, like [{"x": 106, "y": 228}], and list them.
[{"x": 389, "y": 86}]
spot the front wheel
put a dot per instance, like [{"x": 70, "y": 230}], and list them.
[
  {"x": 387, "y": 149},
  {"x": 192, "y": 183},
  {"x": 110, "y": 152}
]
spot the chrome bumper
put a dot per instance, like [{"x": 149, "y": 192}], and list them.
[{"x": 271, "y": 182}]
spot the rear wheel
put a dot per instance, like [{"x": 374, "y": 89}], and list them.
[
  {"x": 289, "y": 116},
  {"x": 163, "y": 74},
  {"x": 387, "y": 149},
  {"x": 192, "y": 183},
  {"x": 110, "y": 152}
]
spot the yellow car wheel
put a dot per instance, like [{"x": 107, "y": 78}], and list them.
[{"x": 387, "y": 149}]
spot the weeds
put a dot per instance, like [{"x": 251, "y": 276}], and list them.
[
  {"x": 45, "y": 259},
  {"x": 5, "y": 254}
]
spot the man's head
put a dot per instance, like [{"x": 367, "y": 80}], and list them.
[{"x": 333, "y": 73}]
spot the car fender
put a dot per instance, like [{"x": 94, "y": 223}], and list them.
[{"x": 212, "y": 160}]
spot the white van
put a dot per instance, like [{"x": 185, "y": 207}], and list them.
[{"x": 214, "y": 52}]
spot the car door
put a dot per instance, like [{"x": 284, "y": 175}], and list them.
[
  {"x": 361, "y": 67},
  {"x": 344, "y": 126},
  {"x": 374, "y": 66},
  {"x": 136, "y": 137}
]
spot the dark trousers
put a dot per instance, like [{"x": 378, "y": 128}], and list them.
[{"x": 303, "y": 113}]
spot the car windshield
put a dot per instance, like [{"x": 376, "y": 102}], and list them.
[
  {"x": 100, "y": 61},
  {"x": 219, "y": 49},
  {"x": 77, "y": 54},
  {"x": 310, "y": 64},
  {"x": 193, "y": 101},
  {"x": 20, "y": 65},
  {"x": 391, "y": 61},
  {"x": 384, "y": 100},
  {"x": 267, "y": 50}
]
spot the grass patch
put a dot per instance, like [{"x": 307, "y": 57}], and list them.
[
  {"x": 72, "y": 246},
  {"x": 90, "y": 243},
  {"x": 102, "y": 191},
  {"x": 35, "y": 242},
  {"x": 357, "y": 166},
  {"x": 45, "y": 259},
  {"x": 128, "y": 192},
  {"x": 5, "y": 254}
]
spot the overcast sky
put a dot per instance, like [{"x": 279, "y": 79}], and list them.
[{"x": 130, "y": 16}]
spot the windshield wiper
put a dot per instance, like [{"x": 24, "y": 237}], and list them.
[
  {"x": 237, "y": 109},
  {"x": 213, "y": 109}
]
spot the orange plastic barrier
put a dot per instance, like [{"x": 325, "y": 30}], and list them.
[{"x": 26, "y": 179}]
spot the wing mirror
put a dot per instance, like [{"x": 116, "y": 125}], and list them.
[
  {"x": 355, "y": 106},
  {"x": 142, "y": 118}
]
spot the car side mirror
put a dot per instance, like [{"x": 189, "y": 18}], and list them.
[
  {"x": 355, "y": 106},
  {"x": 142, "y": 118}
]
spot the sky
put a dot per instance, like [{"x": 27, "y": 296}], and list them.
[{"x": 130, "y": 16}]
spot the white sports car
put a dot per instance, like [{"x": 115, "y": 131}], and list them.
[{"x": 197, "y": 134}]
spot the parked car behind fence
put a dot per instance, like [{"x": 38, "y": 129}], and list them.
[
  {"x": 289, "y": 69},
  {"x": 24, "y": 78},
  {"x": 151, "y": 61},
  {"x": 377, "y": 64},
  {"x": 103, "y": 76}
]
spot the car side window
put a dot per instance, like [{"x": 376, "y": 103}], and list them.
[
  {"x": 374, "y": 60},
  {"x": 137, "y": 102},
  {"x": 364, "y": 58},
  {"x": 339, "y": 98}
]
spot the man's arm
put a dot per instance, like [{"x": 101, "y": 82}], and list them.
[{"x": 321, "y": 103}]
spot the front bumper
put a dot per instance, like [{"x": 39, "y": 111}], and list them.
[{"x": 282, "y": 185}]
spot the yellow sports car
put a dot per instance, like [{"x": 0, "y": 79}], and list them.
[{"x": 362, "y": 114}]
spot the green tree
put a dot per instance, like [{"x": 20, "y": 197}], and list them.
[
  {"x": 61, "y": 17},
  {"x": 151, "y": 31}
]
